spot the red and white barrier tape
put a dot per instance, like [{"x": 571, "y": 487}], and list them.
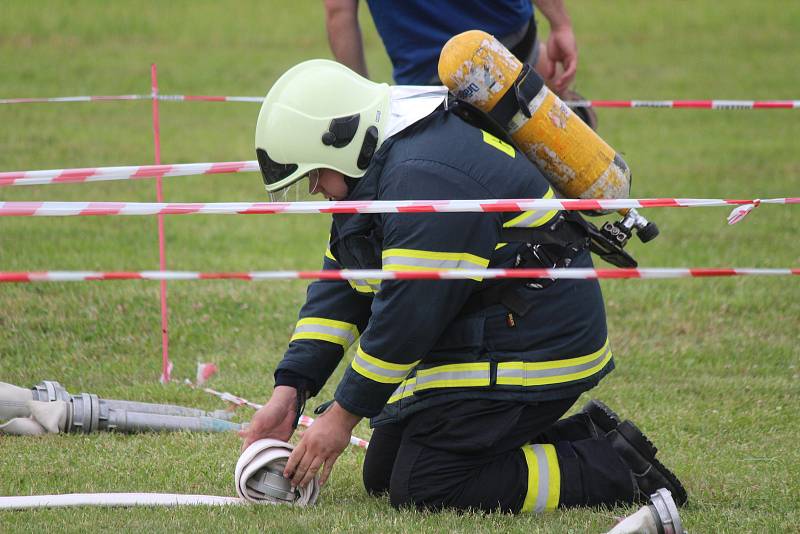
[
  {"x": 109, "y": 98},
  {"x": 72, "y": 209},
  {"x": 65, "y": 209},
  {"x": 305, "y": 420},
  {"x": 377, "y": 274},
  {"x": 231, "y": 398},
  {"x": 211, "y": 98},
  {"x": 132, "y": 172},
  {"x": 689, "y": 104},
  {"x": 674, "y": 104},
  {"x": 42, "y": 100}
]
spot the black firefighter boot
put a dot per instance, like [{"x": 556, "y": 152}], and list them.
[
  {"x": 639, "y": 454},
  {"x": 601, "y": 417}
]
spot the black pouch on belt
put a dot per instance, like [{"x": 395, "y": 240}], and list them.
[{"x": 553, "y": 245}]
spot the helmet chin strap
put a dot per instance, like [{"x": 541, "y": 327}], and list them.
[{"x": 313, "y": 182}]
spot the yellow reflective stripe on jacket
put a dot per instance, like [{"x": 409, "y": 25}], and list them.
[
  {"x": 496, "y": 142},
  {"x": 380, "y": 370},
  {"x": 515, "y": 373},
  {"x": 406, "y": 259},
  {"x": 544, "y": 478},
  {"x": 401, "y": 259},
  {"x": 454, "y": 375},
  {"x": 405, "y": 389},
  {"x": 552, "y": 372},
  {"x": 533, "y": 218},
  {"x": 338, "y": 332},
  {"x": 370, "y": 286}
]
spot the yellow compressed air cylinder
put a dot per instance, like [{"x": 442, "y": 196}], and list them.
[{"x": 478, "y": 69}]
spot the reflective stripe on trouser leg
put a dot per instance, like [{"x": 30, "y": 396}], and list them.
[{"x": 544, "y": 478}]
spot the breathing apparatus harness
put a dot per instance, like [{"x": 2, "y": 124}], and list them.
[
  {"x": 553, "y": 245},
  {"x": 568, "y": 231}
]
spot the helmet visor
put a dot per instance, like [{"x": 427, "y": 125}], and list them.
[
  {"x": 275, "y": 173},
  {"x": 298, "y": 189}
]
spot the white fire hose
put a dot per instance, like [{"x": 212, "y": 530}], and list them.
[
  {"x": 48, "y": 408},
  {"x": 258, "y": 476}
]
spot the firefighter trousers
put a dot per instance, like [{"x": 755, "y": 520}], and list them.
[{"x": 496, "y": 455}]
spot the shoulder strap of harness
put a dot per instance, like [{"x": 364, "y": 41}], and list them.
[
  {"x": 525, "y": 88},
  {"x": 479, "y": 119}
]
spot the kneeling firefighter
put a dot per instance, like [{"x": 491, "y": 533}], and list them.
[{"x": 466, "y": 381}]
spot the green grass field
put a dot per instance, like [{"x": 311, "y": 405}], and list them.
[{"x": 709, "y": 368}]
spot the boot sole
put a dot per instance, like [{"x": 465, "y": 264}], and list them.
[
  {"x": 647, "y": 450},
  {"x": 636, "y": 437},
  {"x": 601, "y": 415}
]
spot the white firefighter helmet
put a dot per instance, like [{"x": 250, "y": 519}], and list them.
[{"x": 319, "y": 114}]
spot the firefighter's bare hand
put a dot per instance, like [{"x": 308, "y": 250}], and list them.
[
  {"x": 274, "y": 420},
  {"x": 320, "y": 446}
]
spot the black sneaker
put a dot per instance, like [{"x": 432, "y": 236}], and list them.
[
  {"x": 639, "y": 454},
  {"x": 602, "y": 417}
]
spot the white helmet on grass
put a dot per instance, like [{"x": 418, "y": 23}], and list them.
[{"x": 319, "y": 114}]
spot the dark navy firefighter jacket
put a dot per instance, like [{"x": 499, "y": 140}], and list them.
[{"x": 416, "y": 344}]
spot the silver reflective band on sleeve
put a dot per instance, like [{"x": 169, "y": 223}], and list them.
[
  {"x": 361, "y": 286},
  {"x": 380, "y": 370},
  {"x": 365, "y": 286},
  {"x": 405, "y": 259},
  {"x": 322, "y": 329},
  {"x": 533, "y": 218}
]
